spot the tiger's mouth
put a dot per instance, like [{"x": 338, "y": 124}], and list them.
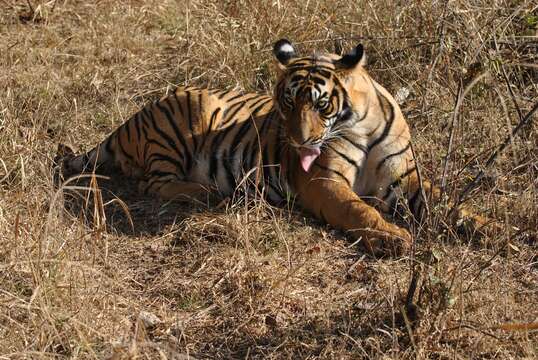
[{"x": 307, "y": 156}]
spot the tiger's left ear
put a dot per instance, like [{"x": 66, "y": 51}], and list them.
[
  {"x": 353, "y": 58},
  {"x": 284, "y": 52}
]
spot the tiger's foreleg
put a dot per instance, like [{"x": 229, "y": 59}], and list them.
[{"x": 337, "y": 204}]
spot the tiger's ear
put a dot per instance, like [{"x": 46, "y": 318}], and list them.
[
  {"x": 353, "y": 58},
  {"x": 283, "y": 51}
]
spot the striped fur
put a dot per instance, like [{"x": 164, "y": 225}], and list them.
[{"x": 330, "y": 136}]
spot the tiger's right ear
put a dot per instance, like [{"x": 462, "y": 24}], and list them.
[
  {"x": 283, "y": 51},
  {"x": 351, "y": 59}
]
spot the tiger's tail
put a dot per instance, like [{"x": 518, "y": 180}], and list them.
[{"x": 99, "y": 158}]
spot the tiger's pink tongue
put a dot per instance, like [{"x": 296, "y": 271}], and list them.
[{"x": 307, "y": 156}]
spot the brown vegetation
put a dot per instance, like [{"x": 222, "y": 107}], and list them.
[{"x": 83, "y": 277}]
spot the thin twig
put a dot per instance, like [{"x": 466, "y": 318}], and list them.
[
  {"x": 439, "y": 53},
  {"x": 462, "y": 92},
  {"x": 13, "y": 45},
  {"x": 486, "y": 265},
  {"x": 471, "y": 327},
  {"x": 526, "y": 120},
  {"x": 459, "y": 98},
  {"x": 412, "y": 287},
  {"x": 30, "y": 6},
  {"x": 408, "y": 327},
  {"x": 505, "y": 76}
]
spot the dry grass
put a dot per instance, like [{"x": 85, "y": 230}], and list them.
[{"x": 248, "y": 280}]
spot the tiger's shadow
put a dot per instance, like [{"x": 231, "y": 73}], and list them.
[{"x": 113, "y": 201}]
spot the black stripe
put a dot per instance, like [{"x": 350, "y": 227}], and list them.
[
  {"x": 333, "y": 171},
  {"x": 177, "y": 132},
  {"x": 313, "y": 65},
  {"x": 266, "y": 122},
  {"x": 164, "y": 135},
  {"x": 240, "y": 134},
  {"x": 86, "y": 159},
  {"x": 156, "y": 177},
  {"x": 153, "y": 141},
  {"x": 199, "y": 104},
  {"x": 178, "y": 163},
  {"x": 322, "y": 72},
  {"x": 389, "y": 119},
  {"x": 228, "y": 159},
  {"x": 254, "y": 151},
  {"x": 178, "y": 102},
  {"x": 361, "y": 147},
  {"x": 289, "y": 169},
  {"x": 146, "y": 147},
  {"x": 137, "y": 125},
  {"x": 277, "y": 150},
  {"x": 235, "y": 97},
  {"x": 212, "y": 119},
  {"x": 310, "y": 69},
  {"x": 417, "y": 196},
  {"x": 126, "y": 128},
  {"x": 162, "y": 157},
  {"x": 155, "y": 181},
  {"x": 108, "y": 143},
  {"x": 160, "y": 173},
  {"x": 125, "y": 153},
  {"x": 168, "y": 102},
  {"x": 213, "y": 161},
  {"x": 345, "y": 157},
  {"x": 267, "y": 167},
  {"x": 261, "y": 103},
  {"x": 223, "y": 94},
  {"x": 263, "y": 150},
  {"x": 397, "y": 182},
  {"x": 246, "y": 150},
  {"x": 274, "y": 182},
  {"x": 318, "y": 81},
  {"x": 189, "y": 117},
  {"x": 265, "y": 163},
  {"x": 236, "y": 107},
  {"x": 392, "y": 155},
  {"x": 210, "y": 127}
]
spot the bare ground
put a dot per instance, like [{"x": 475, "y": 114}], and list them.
[{"x": 89, "y": 273}]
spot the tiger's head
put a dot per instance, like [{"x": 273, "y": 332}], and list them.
[{"x": 312, "y": 94}]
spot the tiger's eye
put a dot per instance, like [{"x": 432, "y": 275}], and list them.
[{"x": 322, "y": 104}]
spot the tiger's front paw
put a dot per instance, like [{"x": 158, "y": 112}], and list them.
[{"x": 392, "y": 241}]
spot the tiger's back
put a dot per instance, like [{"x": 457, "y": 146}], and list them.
[{"x": 206, "y": 136}]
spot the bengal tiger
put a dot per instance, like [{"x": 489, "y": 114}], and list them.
[{"x": 330, "y": 136}]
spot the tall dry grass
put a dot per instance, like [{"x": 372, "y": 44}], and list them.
[{"x": 82, "y": 277}]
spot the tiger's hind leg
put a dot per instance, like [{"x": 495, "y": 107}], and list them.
[
  {"x": 169, "y": 187},
  {"x": 461, "y": 217}
]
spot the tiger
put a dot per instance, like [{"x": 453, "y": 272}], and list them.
[{"x": 329, "y": 136}]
